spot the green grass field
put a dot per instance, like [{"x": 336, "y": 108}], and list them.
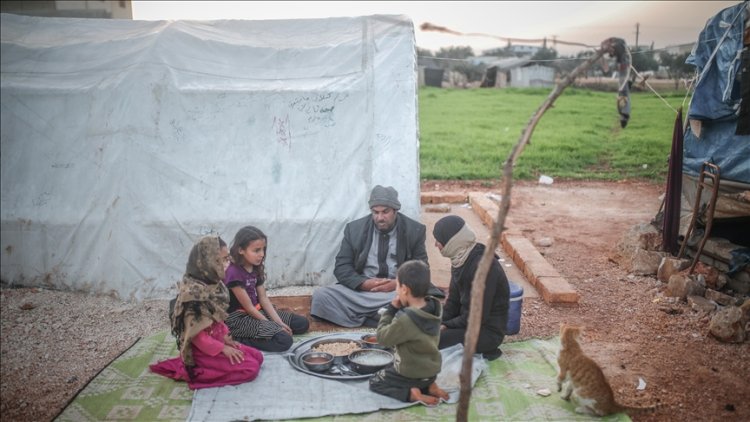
[{"x": 468, "y": 134}]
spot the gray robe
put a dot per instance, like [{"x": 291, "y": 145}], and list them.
[{"x": 343, "y": 304}]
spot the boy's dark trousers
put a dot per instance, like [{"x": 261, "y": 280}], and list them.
[{"x": 390, "y": 383}]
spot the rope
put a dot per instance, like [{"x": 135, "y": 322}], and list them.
[
  {"x": 689, "y": 88},
  {"x": 653, "y": 90}
]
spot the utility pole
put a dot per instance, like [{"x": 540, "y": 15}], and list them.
[{"x": 637, "y": 31}]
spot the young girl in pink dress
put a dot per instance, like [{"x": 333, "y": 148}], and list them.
[{"x": 208, "y": 355}]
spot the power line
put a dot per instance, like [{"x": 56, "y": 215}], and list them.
[
  {"x": 432, "y": 27},
  {"x": 427, "y": 26}
]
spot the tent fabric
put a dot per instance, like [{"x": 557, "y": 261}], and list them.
[
  {"x": 715, "y": 56},
  {"x": 719, "y": 145},
  {"x": 125, "y": 141},
  {"x": 716, "y": 101}
]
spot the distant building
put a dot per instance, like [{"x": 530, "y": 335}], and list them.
[
  {"x": 430, "y": 71},
  {"x": 679, "y": 48},
  {"x": 526, "y": 50},
  {"x": 517, "y": 72},
  {"x": 70, "y": 9}
]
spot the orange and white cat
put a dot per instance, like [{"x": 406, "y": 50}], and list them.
[{"x": 582, "y": 381}]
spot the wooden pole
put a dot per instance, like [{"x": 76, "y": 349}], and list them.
[{"x": 480, "y": 277}]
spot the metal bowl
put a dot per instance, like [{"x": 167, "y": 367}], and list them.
[
  {"x": 371, "y": 341},
  {"x": 369, "y": 361},
  {"x": 317, "y": 361}
]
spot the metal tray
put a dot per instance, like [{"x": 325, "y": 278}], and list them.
[{"x": 295, "y": 358}]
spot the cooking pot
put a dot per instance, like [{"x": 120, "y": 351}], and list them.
[{"x": 369, "y": 361}]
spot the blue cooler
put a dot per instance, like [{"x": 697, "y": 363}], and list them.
[{"x": 514, "y": 311}]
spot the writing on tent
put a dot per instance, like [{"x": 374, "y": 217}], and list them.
[
  {"x": 282, "y": 130},
  {"x": 319, "y": 108}
]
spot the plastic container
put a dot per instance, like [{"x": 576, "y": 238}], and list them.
[{"x": 514, "y": 311}]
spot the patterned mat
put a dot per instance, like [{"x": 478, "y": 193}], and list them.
[{"x": 127, "y": 390}]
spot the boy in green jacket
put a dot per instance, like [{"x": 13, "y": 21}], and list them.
[{"x": 411, "y": 324}]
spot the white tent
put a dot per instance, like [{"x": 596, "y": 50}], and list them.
[{"x": 125, "y": 141}]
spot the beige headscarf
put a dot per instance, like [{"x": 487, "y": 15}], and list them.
[
  {"x": 459, "y": 246},
  {"x": 203, "y": 297}
]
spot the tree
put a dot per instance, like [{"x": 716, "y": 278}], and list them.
[
  {"x": 460, "y": 65},
  {"x": 545, "y": 54},
  {"x": 423, "y": 52},
  {"x": 455, "y": 52},
  {"x": 682, "y": 69},
  {"x": 643, "y": 60},
  {"x": 565, "y": 64},
  {"x": 499, "y": 52},
  {"x": 676, "y": 66},
  {"x": 596, "y": 68}
]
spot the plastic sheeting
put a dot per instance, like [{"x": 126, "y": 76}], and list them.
[
  {"x": 716, "y": 100},
  {"x": 125, "y": 141},
  {"x": 719, "y": 145}
]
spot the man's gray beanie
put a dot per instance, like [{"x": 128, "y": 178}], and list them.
[{"x": 384, "y": 197}]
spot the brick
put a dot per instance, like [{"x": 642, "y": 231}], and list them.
[
  {"x": 557, "y": 290},
  {"x": 541, "y": 268},
  {"x": 443, "y": 198},
  {"x": 518, "y": 248},
  {"x": 484, "y": 207},
  {"x": 540, "y": 273}
]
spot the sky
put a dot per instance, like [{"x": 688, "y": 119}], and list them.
[{"x": 662, "y": 23}]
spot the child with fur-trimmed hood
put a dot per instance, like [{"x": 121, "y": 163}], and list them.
[{"x": 411, "y": 325}]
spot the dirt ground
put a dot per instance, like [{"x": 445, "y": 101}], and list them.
[
  {"x": 53, "y": 348},
  {"x": 691, "y": 375}
]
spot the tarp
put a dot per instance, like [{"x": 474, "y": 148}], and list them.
[
  {"x": 716, "y": 101},
  {"x": 125, "y": 141}
]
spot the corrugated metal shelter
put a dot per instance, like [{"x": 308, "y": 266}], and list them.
[{"x": 515, "y": 72}]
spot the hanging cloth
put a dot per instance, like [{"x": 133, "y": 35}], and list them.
[
  {"x": 619, "y": 50},
  {"x": 673, "y": 195}
]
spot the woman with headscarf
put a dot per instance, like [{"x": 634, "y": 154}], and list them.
[
  {"x": 455, "y": 240},
  {"x": 208, "y": 355}
]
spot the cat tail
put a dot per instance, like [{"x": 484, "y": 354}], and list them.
[{"x": 639, "y": 410}]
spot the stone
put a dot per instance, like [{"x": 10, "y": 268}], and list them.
[
  {"x": 701, "y": 280},
  {"x": 710, "y": 273},
  {"x": 721, "y": 281},
  {"x": 670, "y": 266},
  {"x": 438, "y": 208},
  {"x": 646, "y": 262},
  {"x": 544, "y": 392},
  {"x": 681, "y": 286},
  {"x": 719, "y": 297},
  {"x": 745, "y": 309},
  {"x": 739, "y": 282},
  {"x": 701, "y": 304},
  {"x": 726, "y": 325},
  {"x": 641, "y": 236},
  {"x": 545, "y": 242}
]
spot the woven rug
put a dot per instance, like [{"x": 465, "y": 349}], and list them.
[
  {"x": 128, "y": 390},
  {"x": 507, "y": 390}
]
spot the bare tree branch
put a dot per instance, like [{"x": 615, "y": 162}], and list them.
[{"x": 480, "y": 277}]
